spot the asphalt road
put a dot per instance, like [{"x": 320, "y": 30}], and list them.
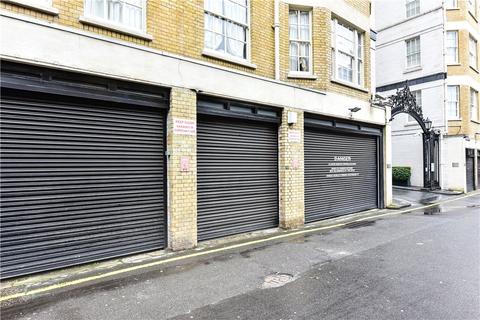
[{"x": 420, "y": 265}]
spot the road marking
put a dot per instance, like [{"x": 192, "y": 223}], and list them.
[{"x": 209, "y": 251}]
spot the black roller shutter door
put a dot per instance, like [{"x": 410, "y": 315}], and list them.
[
  {"x": 80, "y": 183},
  {"x": 340, "y": 174},
  {"x": 237, "y": 176},
  {"x": 478, "y": 169},
  {"x": 470, "y": 168}
]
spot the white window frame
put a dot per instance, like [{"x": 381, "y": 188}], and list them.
[
  {"x": 419, "y": 52},
  {"x": 453, "y": 6},
  {"x": 409, "y": 13},
  {"x": 473, "y": 55},
  {"x": 473, "y": 105},
  {"x": 356, "y": 57},
  {"x": 90, "y": 18},
  {"x": 457, "y": 104},
  {"x": 456, "y": 46},
  {"x": 418, "y": 97},
  {"x": 310, "y": 41},
  {"x": 225, "y": 55}
]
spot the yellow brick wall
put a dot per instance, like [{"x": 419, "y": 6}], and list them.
[
  {"x": 291, "y": 173},
  {"x": 463, "y": 67},
  {"x": 322, "y": 55},
  {"x": 465, "y": 126},
  {"x": 461, "y": 13},
  {"x": 182, "y": 185},
  {"x": 178, "y": 27}
]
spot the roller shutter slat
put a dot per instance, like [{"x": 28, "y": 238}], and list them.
[
  {"x": 333, "y": 196},
  {"x": 80, "y": 183},
  {"x": 237, "y": 174}
]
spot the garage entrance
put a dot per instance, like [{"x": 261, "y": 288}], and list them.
[
  {"x": 82, "y": 169},
  {"x": 342, "y": 168}
]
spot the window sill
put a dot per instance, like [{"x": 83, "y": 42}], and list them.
[
  {"x": 412, "y": 69},
  {"x": 113, "y": 27},
  {"x": 297, "y": 75},
  {"x": 454, "y": 64},
  {"x": 351, "y": 85},
  {"x": 28, "y": 4},
  {"x": 475, "y": 121},
  {"x": 453, "y": 8},
  {"x": 456, "y": 119},
  {"x": 474, "y": 69},
  {"x": 224, "y": 57}
]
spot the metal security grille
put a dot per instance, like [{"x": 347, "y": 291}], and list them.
[
  {"x": 80, "y": 183},
  {"x": 470, "y": 167},
  {"x": 340, "y": 174},
  {"x": 237, "y": 176}
]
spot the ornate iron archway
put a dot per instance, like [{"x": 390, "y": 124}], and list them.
[{"x": 403, "y": 101}]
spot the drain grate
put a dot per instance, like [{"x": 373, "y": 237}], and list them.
[{"x": 277, "y": 280}]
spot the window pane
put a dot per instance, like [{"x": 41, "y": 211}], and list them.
[
  {"x": 293, "y": 32},
  {"x": 303, "y": 64},
  {"x": 299, "y": 24},
  {"x": 304, "y": 49},
  {"x": 235, "y": 11},
  {"x": 413, "y": 52},
  {"x": 214, "y": 38},
  {"x": 305, "y": 33},
  {"x": 215, "y": 6},
  {"x": 359, "y": 72},
  {"x": 293, "y": 63},
  {"x": 345, "y": 39},
  {"x": 412, "y": 8},
  {"x": 236, "y": 40},
  {"x": 451, "y": 3},
  {"x": 236, "y": 31},
  {"x": 473, "y": 105},
  {"x": 345, "y": 67},
  {"x": 452, "y": 102},
  {"x": 473, "y": 52},
  {"x": 452, "y": 46},
  {"x": 360, "y": 45},
  {"x": 304, "y": 18},
  {"x": 128, "y": 13}
]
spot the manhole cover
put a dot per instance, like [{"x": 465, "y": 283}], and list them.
[{"x": 277, "y": 280}]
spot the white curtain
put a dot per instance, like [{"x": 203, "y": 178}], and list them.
[
  {"x": 235, "y": 11},
  {"x": 133, "y": 14},
  {"x": 236, "y": 40},
  {"x": 115, "y": 10},
  {"x": 293, "y": 23},
  {"x": 304, "y": 26},
  {"x": 97, "y": 8},
  {"x": 214, "y": 34},
  {"x": 293, "y": 56},
  {"x": 345, "y": 66},
  {"x": 215, "y": 6}
]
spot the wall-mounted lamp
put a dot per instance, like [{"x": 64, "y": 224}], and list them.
[
  {"x": 291, "y": 117},
  {"x": 353, "y": 110}
]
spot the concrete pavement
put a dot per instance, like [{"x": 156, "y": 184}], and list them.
[{"x": 420, "y": 265}]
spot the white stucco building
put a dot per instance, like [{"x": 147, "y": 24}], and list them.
[{"x": 412, "y": 49}]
